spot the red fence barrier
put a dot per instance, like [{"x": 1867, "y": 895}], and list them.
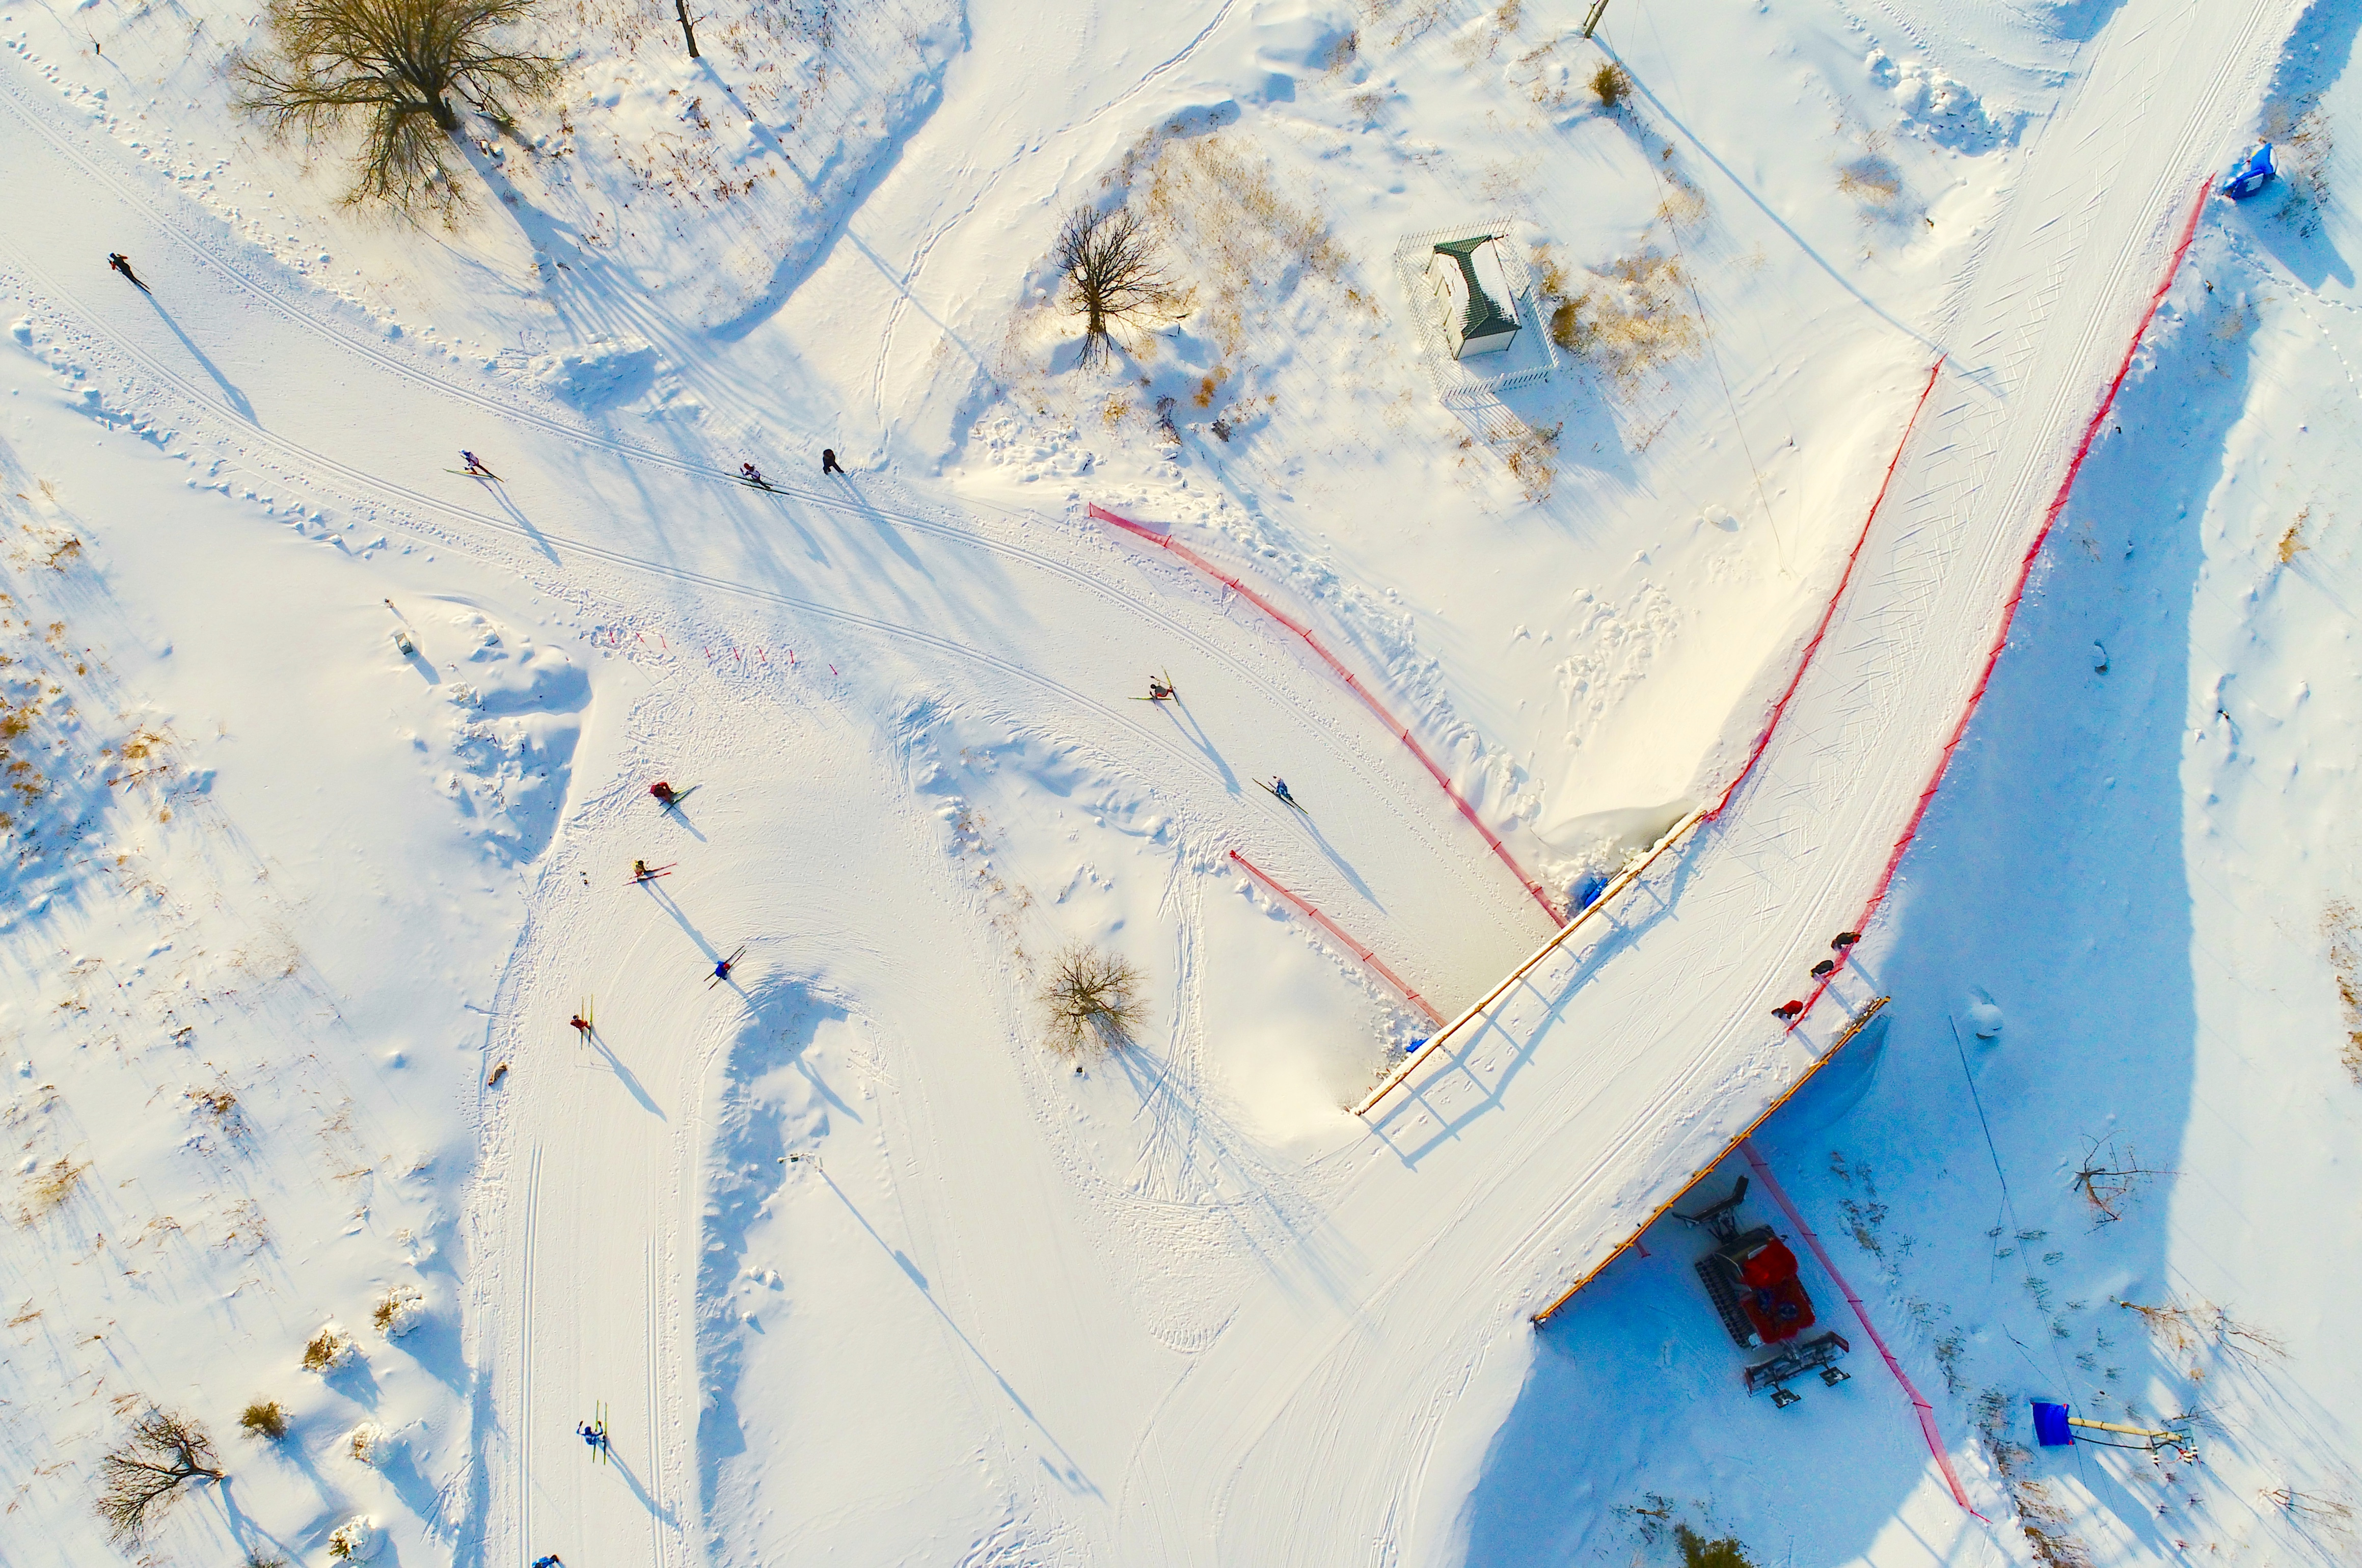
[
  {"x": 2009, "y": 610},
  {"x": 1401, "y": 731},
  {"x": 1830, "y": 613},
  {"x": 1332, "y": 927},
  {"x": 1926, "y": 1411}
]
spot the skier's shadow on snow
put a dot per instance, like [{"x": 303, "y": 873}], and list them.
[
  {"x": 524, "y": 524},
  {"x": 1072, "y": 1476},
  {"x": 1195, "y": 734},
  {"x": 229, "y": 389},
  {"x": 623, "y": 1076},
  {"x": 1344, "y": 867},
  {"x": 670, "y": 906},
  {"x": 679, "y": 813},
  {"x": 615, "y": 1463},
  {"x": 886, "y": 533}
]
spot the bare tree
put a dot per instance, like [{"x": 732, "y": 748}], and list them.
[
  {"x": 1112, "y": 276},
  {"x": 1091, "y": 998},
  {"x": 394, "y": 67},
  {"x": 140, "y": 1480}
]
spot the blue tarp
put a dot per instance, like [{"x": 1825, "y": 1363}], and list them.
[
  {"x": 2251, "y": 176},
  {"x": 2051, "y": 1427}
]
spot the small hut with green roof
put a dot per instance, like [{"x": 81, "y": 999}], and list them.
[{"x": 1480, "y": 313}]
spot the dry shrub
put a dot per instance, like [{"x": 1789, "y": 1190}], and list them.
[
  {"x": 140, "y": 1480},
  {"x": 2301, "y": 143},
  {"x": 1630, "y": 319},
  {"x": 51, "y": 1185},
  {"x": 2344, "y": 929},
  {"x": 1610, "y": 85},
  {"x": 1253, "y": 242},
  {"x": 366, "y": 1443},
  {"x": 1872, "y": 181},
  {"x": 2183, "y": 1329},
  {"x": 2040, "y": 1518},
  {"x": 264, "y": 1418},
  {"x": 1091, "y": 1000},
  {"x": 390, "y": 68},
  {"x": 2292, "y": 543},
  {"x": 1532, "y": 456},
  {"x": 327, "y": 1349},
  {"x": 1697, "y": 1551},
  {"x": 399, "y": 1311},
  {"x": 354, "y": 1539}
]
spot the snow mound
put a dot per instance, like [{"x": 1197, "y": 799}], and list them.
[
  {"x": 601, "y": 376},
  {"x": 400, "y": 1309},
  {"x": 355, "y": 1540},
  {"x": 517, "y": 716},
  {"x": 1937, "y": 108}
]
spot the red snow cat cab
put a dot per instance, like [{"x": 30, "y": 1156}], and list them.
[{"x": 1750, "y": 1278}]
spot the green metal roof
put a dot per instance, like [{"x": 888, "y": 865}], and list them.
[{"x": 1484, "y": 317}]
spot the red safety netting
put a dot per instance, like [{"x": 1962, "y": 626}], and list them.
[
  {"x": 1306, "y": 909},
  {"x": 1829, "y": 613},
  {"x": 1926, "y": 1412},
  {"x": 2009, "y": 610},
  {"x": 1402, "y": 731}
]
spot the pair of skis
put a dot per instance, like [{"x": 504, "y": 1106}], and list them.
[
  {"x": 652, "y": 872},
  {"x": 1283, "y": 799},
  {"x": 672, "y": 802},
  {"x": 477, "y": 473},
  {"x": 759, "y": 483}
]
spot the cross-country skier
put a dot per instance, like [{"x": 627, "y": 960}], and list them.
[
  {"x": 1825, "y": 968},
  {"x": 721, "y": 969},
  {"x": 828, "y": 461},
  {"x": 662, "y": 792},
  {"x": 640, "y": 872},
  {"x": 581, "y": 1025},
  {"x": 1157, "y": 691},
  {"x": 1788, "y": 1012},
  {"x": 472, "y": 463},
  {"x": 588, "y": 1433},
  {"x": 122, "y": 263},
  {"x": 549, "y": 1562},
  {"x": 750, "y": 473},
  {"x": 1845, "y": 939},
  {"x": 1279, "y": 788}
]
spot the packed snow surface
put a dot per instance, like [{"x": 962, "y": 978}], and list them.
[{"x": 368, "y": 1111}]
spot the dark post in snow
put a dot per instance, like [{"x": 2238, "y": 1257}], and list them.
[
  {"x": 1598, "y": 9},
  {"x": 680, "y": 9}
]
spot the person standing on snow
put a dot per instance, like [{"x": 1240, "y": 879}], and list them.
[
  {"x": 828, "y": 461},
  {"x": 1279, "y": 788},
  {"x": 122, "y": 263}
]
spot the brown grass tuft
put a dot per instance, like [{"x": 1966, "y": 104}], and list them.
[
  {"x": 264, "y": 1418},
  {"x": 2344, "y": 929}
]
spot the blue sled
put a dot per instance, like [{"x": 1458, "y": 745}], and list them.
[{"x": 2251, "y": 176}]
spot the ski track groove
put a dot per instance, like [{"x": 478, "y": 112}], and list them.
[{"x": 308, "y": 461}]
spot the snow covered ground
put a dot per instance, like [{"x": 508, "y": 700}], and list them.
[{"x": 328, "y": 765}]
